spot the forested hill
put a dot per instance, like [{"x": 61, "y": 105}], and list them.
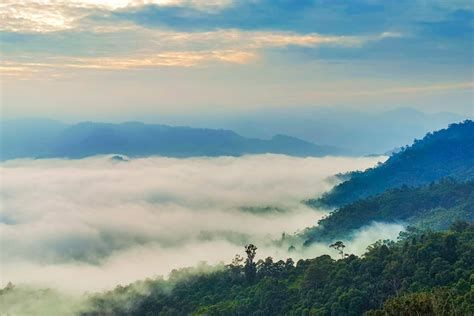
[
  {"x": 447, "y": 152},
  {"x": 434, "y": 206},
  {"x": 422, "y": 274}
]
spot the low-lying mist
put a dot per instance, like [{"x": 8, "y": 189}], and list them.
[{"x": 90, "y": 224}]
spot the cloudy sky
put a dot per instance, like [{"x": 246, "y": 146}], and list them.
[{"x": 88, "y": 58}]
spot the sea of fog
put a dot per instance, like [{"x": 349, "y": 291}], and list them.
[{"x": 90, "y": 224}]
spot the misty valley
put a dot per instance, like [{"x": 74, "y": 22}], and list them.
[
  {"x": 236, "y": 158},
  {"x": 264, "y": 234}
]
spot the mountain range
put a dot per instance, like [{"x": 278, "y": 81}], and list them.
[
  {"x": 359, "y": 133},
  {"x": 297, "y": 132},
  {"x": 39, "y": 138}
]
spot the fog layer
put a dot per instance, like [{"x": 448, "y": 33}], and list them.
[{"x": 93, "y": 223}]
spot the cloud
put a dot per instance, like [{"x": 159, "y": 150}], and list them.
[
  {"x": 137, "y": 47},
  {"x": 100, "y": 222},
  {"x": 197, "y": 55},
  {"x": 26, "y": 300},
  {"x": 56, "y": 35},
  {"x": 51, "y": 16},
  {"x": 165, "y": 59}
]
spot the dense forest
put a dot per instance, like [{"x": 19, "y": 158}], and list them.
[
  {"x": 434, "y": 206},
  {"x": 423, "y": 273},
  {"x": 444, "y": 153}
]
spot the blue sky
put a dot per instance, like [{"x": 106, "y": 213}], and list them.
[{"x": 116, "y": 58}]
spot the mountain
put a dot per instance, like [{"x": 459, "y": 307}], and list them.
[
  {"x": 336, "y": 131},
  {"x": 446, "y": 153},
  {"x": 359, "y": 133},
  {"x": 435, "y": 206},
  {"x": 44, "y": 138}
]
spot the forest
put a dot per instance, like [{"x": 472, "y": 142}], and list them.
[
  {"x": 423, "y": 273},
  {"x": 434, "y": 206}
]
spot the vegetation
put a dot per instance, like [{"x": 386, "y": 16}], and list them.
[
  {"x": 434, "y": 206},
  {"x": 424, "y": 273},
  {"x": 448, "y": 152}
]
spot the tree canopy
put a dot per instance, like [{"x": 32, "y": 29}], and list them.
[{"x": 422, "y": 274}]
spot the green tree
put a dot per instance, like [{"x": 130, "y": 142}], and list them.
[{"x": 250, "y": 266}]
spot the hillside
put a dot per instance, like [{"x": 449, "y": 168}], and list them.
[
  {"x": 422, "y": 274},
  {"x": 447, "y": 152},
  {"x": 434, "y": 206},
  {"x": 44, "y": 138}
]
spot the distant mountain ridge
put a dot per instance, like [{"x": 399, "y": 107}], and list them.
[
  {"x": 45, "y": 139},
  {"x": 358, "y": 132},
  {"x": 446, "y": 153}
]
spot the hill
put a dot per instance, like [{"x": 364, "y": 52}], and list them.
[
  {"x": 46, "y": 139},
  {"x": 435, "y": 206},
  {"x": 447, "y": 152}
]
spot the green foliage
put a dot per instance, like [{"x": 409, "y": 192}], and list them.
[
  {"x": 440, "y": 301},
  {"x": 422, "y": 274},
  {"x": 448, "y": 152},
  {"x": 435, "y": 206}
]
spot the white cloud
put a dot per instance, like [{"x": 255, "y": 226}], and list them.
[
  {"x": 101, "y": 223},
  {"x": 56, "y": 15}
]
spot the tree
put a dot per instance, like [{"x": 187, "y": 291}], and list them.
[
  {"x": 339, "y": 246},
  {"x": 235, "y": 267},
  {"x": 250, "y": 267}
]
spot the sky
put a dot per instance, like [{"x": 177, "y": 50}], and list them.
[{"x": 93, "y": 59}]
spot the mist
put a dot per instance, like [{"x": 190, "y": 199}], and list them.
[{"x": 94, "y": 223}]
